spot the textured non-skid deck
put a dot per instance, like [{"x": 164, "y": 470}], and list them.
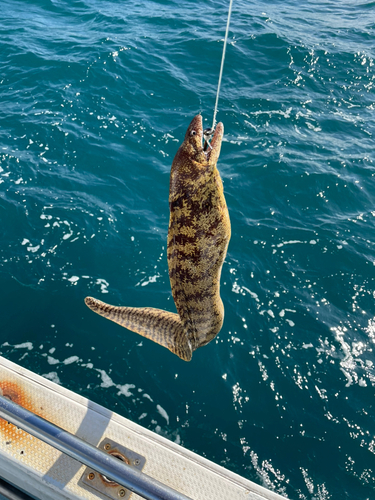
[{"x": 48, "y": 474}]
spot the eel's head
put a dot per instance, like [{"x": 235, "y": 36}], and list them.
[
  {"x": 193, "y": 142},
  {"x": 192, "y": 160}
]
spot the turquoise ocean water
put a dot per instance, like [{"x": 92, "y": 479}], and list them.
[{"x": 96, "y": 96}]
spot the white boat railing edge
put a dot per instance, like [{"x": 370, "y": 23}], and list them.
[{"x": 87, "y": 454}]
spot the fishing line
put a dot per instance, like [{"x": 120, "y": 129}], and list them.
[
  {"x": 222, "y": 63},
  {"x": 208, "y": 132}
]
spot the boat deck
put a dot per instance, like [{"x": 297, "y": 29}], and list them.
[{"x": 46, "y": 473}]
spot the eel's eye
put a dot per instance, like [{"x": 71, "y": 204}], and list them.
[{"x": 193, "y": 132}]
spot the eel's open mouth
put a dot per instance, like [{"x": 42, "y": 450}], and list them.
[
  {"x": 199, "y": 139},
  {"x": 215, "y": 136},
  {"x": 207, "y": 134}
]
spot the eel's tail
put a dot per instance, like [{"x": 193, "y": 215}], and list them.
[{"x": 163, "y": 327}]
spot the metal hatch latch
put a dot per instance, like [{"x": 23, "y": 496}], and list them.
[{"x": 92, "y": 480}]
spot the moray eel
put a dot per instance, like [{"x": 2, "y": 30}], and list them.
[{"x": 198, "y": 237}]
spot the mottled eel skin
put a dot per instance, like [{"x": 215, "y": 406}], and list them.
[{"x": 198, "y": 237}]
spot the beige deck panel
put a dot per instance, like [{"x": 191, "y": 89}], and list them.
[{"x": 48, "y": 474}]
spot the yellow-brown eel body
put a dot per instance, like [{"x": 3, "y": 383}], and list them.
[{"x": 198, "y": 237}]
